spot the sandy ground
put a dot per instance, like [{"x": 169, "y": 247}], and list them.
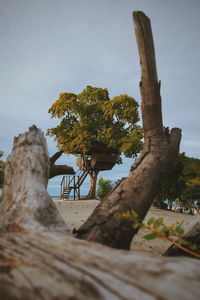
[{"x": 76, "y": 212}]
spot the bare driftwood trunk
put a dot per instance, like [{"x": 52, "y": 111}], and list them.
[
  {"x": 39, "y": 259},
  {"x": 161, "y": 148},
  {"x": 26, "y": 204}
]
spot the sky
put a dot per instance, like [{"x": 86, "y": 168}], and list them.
[{"x": 54, "y": 46}]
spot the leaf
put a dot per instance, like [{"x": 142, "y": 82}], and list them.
[
  {"x": 193, "y": 247},
  {"x": 151, "y": 221},
  {"x": 183, "y": 242},
  {"x": 159, "y": 221},
  {"x": 179, "y": 230},
  {"x": 150, "y": 236},
  {"x": 166, "y": 232},
  {"x": 136, "y": 225}
]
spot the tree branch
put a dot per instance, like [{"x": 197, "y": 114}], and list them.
[
  {"x": 56, "y": 170},
  {"x": 54, "y": 157}
]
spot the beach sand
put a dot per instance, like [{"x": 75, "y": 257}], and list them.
[{"x": 76, "y": 212}]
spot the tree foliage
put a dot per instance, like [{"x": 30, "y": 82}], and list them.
[
  {"x": 92, "y": 117},
  {"x": 104, "y": 187},
  {"x": 183, "y": 186}
]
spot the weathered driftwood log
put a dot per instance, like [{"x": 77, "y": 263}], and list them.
[
  {"x": 25, "y": 204},
  {"x": 161, "y": 148},
  {"x": 40, "y": 260},
  {"x": 191, "y": 235},
  {"x": 53, "y": 266}
]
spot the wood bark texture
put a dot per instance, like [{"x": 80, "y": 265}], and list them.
[
  {"x": 49, "y": 266},
  {"x": 25, "y": 204},
  {"x": 161, "y": 148}
]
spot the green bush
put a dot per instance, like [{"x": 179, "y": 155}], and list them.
[{"x": 104, "y": 187}]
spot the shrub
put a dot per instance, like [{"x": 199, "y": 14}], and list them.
[{"x": 104, "y": 187}]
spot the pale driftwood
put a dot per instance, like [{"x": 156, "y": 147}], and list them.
[
  {"x": 52, "y": 266},
  {"x": 26, "y": 203},
  {"x": 36, "y": 263},
  {"x": 161, "y": 148},
  {"x": 191, "y": 235}
]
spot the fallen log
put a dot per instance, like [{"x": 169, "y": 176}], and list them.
[{"x": 46, "y": 265}]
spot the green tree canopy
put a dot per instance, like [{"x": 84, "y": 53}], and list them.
[
  {"x": 191, "y": 175},
  {"x": 104, "y": 187},
  {"x": 92, "y": 117},
  {"x": 184, "y": 183}
]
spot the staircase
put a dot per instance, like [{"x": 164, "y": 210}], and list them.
[{"x": 70, "y": 183}]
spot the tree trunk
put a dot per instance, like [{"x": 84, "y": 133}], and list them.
[
  {"x": 161, "y": 148},
  {"x": 93, "y": 183}
]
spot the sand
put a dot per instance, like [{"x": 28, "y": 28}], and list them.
[{"x": 76, "y": 212}]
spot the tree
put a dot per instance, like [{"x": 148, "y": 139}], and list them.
[
  {"x": 183, "y": 186},
  {"x": 92, "y": 123},
  {"x": 104, "y": 187},
  {"x": 1, "y": 170},
  {"x": 172, "y": 186},
  {"x": 191, "y": 174}
]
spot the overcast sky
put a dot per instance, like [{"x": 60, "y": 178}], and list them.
[{"x": 53, "y": 46}]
